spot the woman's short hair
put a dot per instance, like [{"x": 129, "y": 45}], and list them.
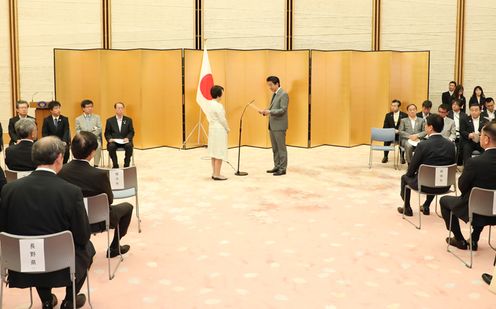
[{"x": 216, "y": 91}]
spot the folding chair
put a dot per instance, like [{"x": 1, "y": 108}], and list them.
[
  {"x": 433, "y": 177},
  {"x": 382, "y": 135},
  {"x": 481, "y": 202},
  {"x": 99, "y": 211},
  {"x": 58, "y": 254},
  {"x": 14, "y": 175},
  {"x": 124, "y": 182}
]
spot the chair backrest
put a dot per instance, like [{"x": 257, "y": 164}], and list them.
[
  {"x": 382, "y": 135},
  {"x": 14, "y": 175},
  {"x": 57, "y": 250},
  {"x": 98, "y": 209},
  {"x": 123, "y": 178},
  {"x": 433, "y": 176},
  {"x": 482, "y": 202}
]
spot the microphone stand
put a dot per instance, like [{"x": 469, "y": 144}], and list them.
[{"x": 238, "y": 173}]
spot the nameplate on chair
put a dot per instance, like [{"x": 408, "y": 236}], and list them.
[
  {"x": 116, "y": 179},
  {"x": 85, "y": 200},
  {"x": 32, "y": 252},
  {"x": 441, "y": 177},
  {"x": 23, "y": 174}
]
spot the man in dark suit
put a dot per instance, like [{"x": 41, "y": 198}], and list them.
[
  {"x": 278, "y": 125},
  {"x": 489, "y": 114},
  {"x": 446, "y": 96},
  {"x": 18, "y": 156},
  {"x": 426, "y": 109},
  {"x": 22, "y": 112},
  {"x": 478, "y": 172},
  {"x": 436, "y": 150},
  {"x": 392, "y": 120},
  {"x": 470, "y": 132},
  {"x": 119, "y": 133},
  {"x": 94, "y": 181},
  {"x": 57, "y": 125},
  {"x": 41, "y": 204}
]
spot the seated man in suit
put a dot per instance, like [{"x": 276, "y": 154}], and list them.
[
  {"x": 392, "y": 120},
  {"x": 411, "y": 128},
  {"x": 22, "y": 112},
  {"x": 446, "y": 96},
  {"x": 18, "y": 156},
  {"x": 94, "y": 181},
  {"x": 91, "y": 123},
  {"x": 426, "y": 109},
  {"x": 41, "y": 204},
  {"x": 119, "y": 133},
  {"x": 478, "y": 172},
  {"x": 436, "y": 150},
  {"x": 470, "y": 132},
  {"x": 488, "y": 113},
  {"x": 57, "y": 125},
  {"x": 449, "y": 130}
]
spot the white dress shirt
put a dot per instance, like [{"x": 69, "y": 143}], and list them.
[
  {"x": 396, "y": 117},
  {"x": 119, "y": 122}
]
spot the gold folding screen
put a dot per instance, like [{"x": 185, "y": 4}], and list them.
[
  {"x": 149, "y": 82},
  {"x": 243, "y": 75},
  {"x": 352, "y": 90}
]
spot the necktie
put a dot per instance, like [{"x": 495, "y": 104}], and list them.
[
  {"x": 55, "y": 122},
  {"x": 273, "y": 96}
]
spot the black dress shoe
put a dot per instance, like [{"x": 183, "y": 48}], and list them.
[
  {"x": 51, "y": 303},
  {"x": 475, "y": 246},
  {"x": 402, "y": 161},
  {"x": 460, "y": 244},
  {"x": 487, "y": 278},
  {"x": 273, "y": 170},
  {"x": 80, "y": 301},
  {"x": 408, "y": 211},
  {"x": 279, "y": 173},
  {"x": 219, "y": 178},
  {"x": 425, "y": 210},
  {"x": 115, "y": 251},
  {"x": 385, "y": 160}
]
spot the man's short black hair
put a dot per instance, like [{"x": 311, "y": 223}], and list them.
[
  {"x": 396, "y": 101},
  {"x": 86, "y": 102},
  {"x": 456, "y": 101},
  {"x": 20, "y": 102},
  {"x": 453, "y": 82},
  {"x": 83, "y": 144},
  {"x": 489, "y": 99},
  {"x": 274, "y": 80},
  {"x": 427, "y": 104},
  {"x": 46, "y": 150},
  {"x": 436, "y": 121},
  {"x": 474, "y": 104},
  {"x": 54, "y": 104},
  {"x": 411, "y": 104},
  {"x": 216, "y": 91},
  {"x": 443, "y": 107},
  {"x": 115, "y": 105}
]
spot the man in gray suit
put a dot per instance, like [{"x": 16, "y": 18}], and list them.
[
  {"x": 91, "y": 123},
  {"x": 449, "y": 129},
  {"x": 278, "y": 124},
  {"x": 411, "y": 129}
]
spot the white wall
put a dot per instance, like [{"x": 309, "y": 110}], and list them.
[
  {"x": 153, "y": 24},
  {"x": 5, "y": 83},
  {"x": 480, "y": 47},
  {"x": 45, "y": 25},
  {"x": 423, "y": 25},
  {"x": 245, "y": 24},
  {"x": 337, "y": 24}
]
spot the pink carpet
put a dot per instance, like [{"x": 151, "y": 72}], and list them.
[{"x": 326, "y": 235}]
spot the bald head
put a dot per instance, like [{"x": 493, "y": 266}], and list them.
[{"x": 47, "y": 150}]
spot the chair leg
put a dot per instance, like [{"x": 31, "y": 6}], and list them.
[
  {"x": 469, "y": 265},
  {"x": 435, "y": 209},
  {"x": 370, "y": 158},
  {"x": 121, "y": 258},
  {"x": 30, "y": 297},
  {"x": 74, "y": 291},
  {"x": 137, "y": 212},
  {"x": 489, "y": 240},
  {"x": 88, "y": 284}
]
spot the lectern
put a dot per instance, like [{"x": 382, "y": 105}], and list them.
[{"x": 41, "y": 112}]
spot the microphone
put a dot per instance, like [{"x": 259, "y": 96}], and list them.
[
  {"x": 238, "y": 173},
  {"x": 32, "y": 97}
]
